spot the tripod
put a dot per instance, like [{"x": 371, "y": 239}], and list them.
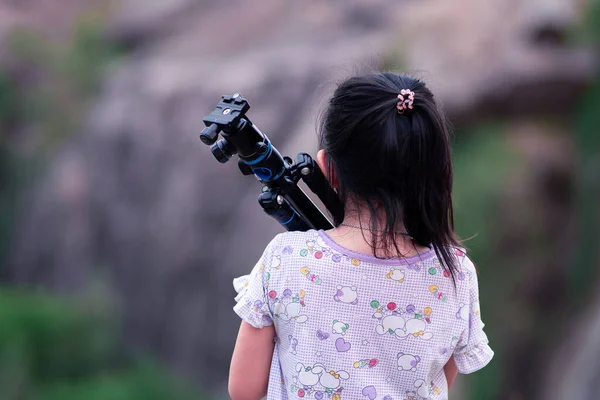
[{"x": 281, "y": 197}]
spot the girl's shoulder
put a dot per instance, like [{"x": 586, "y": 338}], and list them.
[
  {"x": 462, "y": 258},
  {"x": 294, "y": 238}
]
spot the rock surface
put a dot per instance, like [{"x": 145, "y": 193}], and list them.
[
  {"x": 490, "y": 59},
  {"x": 135, "y": 199}
]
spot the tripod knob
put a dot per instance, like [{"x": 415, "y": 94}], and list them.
[
  {"x": 223, "y": 150},
  {"x": 209, "y": 134}
]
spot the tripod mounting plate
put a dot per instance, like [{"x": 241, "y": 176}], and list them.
[{"x": 227, "y": 113}]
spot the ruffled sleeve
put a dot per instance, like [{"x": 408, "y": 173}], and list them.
[
  {"x": 473, "y": 351},
  {"x": 252, "y": 300}
]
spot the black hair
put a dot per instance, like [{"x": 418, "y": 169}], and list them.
[{"x": 398, "y": 165}]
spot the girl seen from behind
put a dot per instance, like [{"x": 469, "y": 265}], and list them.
[{"x": 386, "y": 304}]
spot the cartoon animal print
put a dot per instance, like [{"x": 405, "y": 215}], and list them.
[
  {"x": 416, "y": 328},
  {"x": 317, "y": 244},
  {"x": 315, "y": 380},
  {"x": 311, "y": 277},
  {"x": 289, "y": 312},
  {"x": 402, "y": 323},
  {"x": 332, "y": 380},
  {"x": 455, "y": 344},
  {"x": 463, "y": 312},
  {"x": 276, "y": 262},
  {"x": 396, "y": 275},
  {"x": 411, "y": 395},
  {"x": 406, "y": 362},
  {"x": 317, "y": 248},
  {"x": 340, "y": 327},
  {"x": 308, "y": 376},
  {"x": 293, "y": 344},
  {"x": 424, "y": 391},
  {"x": 390, "y": 324},
  {"x": 346, "y": 294},
  {"x": 321, "y": 243},
  {"x": 288, "y": 307}
]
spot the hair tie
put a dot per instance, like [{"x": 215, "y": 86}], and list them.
[{"x": 405, "y": 103}]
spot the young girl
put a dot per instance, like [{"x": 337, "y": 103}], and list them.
[{"x": 385, "y": 305}]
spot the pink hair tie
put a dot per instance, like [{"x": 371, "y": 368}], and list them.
[{"x": 405, "y": 103}]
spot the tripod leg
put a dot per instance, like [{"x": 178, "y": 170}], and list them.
[
  {"x": 312, "y": 175},
  {"x": 277, "y": 207}
]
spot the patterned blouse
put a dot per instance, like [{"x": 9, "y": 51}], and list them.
[{"x": 352, "y": 326}]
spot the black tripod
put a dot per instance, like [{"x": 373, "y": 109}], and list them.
[{"x": 281, "y": 197}]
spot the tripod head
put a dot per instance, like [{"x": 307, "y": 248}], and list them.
[
  {"x": 281, "y": 197},
  {"x": 228, "y": 117},
  {"x": 239, "y": 136}
]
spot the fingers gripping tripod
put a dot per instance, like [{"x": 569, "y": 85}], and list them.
[{"x": 281, "y": 198}]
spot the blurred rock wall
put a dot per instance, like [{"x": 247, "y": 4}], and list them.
[{"x": 135, "y": 201}]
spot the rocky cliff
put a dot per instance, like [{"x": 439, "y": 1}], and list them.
[{"x": 136, "y": 202}]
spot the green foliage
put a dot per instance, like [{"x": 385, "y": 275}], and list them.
[
  {"x": 587, "y": 142},
  {"x": 481, "y": 160},
  {"x": 62, "y": 78},
  {"x": 67, "y": 74},
  {"x": 8, "y": 191},
  {"x": 143, "y": 382},
  {"x": 9, "y": 100},
  {"x": 50, "y": 350},
  {"x": 591, "y": 25},
  {"x": 47, "y": 340},
  {"x": 482, "y": 163},
  {"x": 87, "y": 56}
]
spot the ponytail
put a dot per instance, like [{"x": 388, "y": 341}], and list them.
[{"x": 394, "y": 159}]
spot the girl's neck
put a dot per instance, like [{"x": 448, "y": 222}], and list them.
[{"x": 359, "y": 240}]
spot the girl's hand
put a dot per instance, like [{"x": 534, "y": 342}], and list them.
[{"x": 251, "y": 362}]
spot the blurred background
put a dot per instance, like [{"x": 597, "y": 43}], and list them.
[{"x": 120, "y": 234}]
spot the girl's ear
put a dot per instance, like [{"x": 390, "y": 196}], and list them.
[{"x": 322, "y": 162}]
